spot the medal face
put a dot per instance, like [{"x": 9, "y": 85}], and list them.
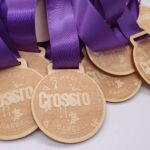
[
  {"x": 115, "y": 89},
  {"x": 115, "y": 62},
  {"x": 141, "y": 56},
  {"x": 68, "y": 106},
  {"x": 144, "y": 17},
  {"x": 16, "y": 89},
  {"x": 36, "y": 61}
]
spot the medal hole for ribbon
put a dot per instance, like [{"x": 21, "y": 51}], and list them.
[
  {"x": 139, "y": 36},
  {"x": 22, "y": 62}
]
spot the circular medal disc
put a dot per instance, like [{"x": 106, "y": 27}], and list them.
[
  {"x": 16, "y": 89},
  {"x": 115, "y": 88},
  {"x": 36, "y": 61},
  {"x": 68, "y": 106},
  {"x": 141, "y": 55},
  {"x": 144, "y": 17},
  {"x": 115, "y": 62}
]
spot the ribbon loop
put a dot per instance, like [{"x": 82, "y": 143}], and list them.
[{"x": 65, "y": 49}]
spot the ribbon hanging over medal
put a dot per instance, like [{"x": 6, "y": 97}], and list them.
[{"x": 98, "y": 52}]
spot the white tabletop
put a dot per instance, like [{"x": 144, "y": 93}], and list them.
[{"x": 127, "y": 127}]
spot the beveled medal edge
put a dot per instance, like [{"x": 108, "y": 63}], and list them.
[
  {"x": 134, "y": 59},
  {"x": 19, "y": 136}
]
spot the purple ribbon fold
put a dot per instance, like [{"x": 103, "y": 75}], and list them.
[
  {"x": 127, "y": 21},
  {"x": 91, "y": 28},
  {"x": 111, "y": 10}
]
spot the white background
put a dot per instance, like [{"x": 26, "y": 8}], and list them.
[{"x": 127, "y": 127}]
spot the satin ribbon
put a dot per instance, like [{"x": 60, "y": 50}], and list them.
[
  {"x": 65, "y": 49},
  {"x": 67, "y": 19},
  {"x": 8, "y": 56},
  {"x": 91, "y": 28},
  {"x": 127, "y": 21},
  {"x": 17, "y": 26},
  {"x": 111, "y": 10},
  {"x": 130, "y": 27},
  {"x": 19, "y": 18}
]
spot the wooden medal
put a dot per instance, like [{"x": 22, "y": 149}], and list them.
[
  {"x": 115, "y": 62},
  {"x": 16, "y": 88},
  {"x": 36, "y": 61},
  {"x": 68, "y": 106},
  {"x": 115, "y": 88},
  {"x": 141, "y": 55},
  {"x": 144, "y": 17}
]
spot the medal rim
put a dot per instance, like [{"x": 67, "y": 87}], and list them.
[
  {"x": 136, "y": 65},
  {"x": 145, "y": 8}
]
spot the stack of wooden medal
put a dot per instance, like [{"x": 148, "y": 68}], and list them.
[
  {"x": 69, "y": 106},
  {"x": 119, "y": 73}
]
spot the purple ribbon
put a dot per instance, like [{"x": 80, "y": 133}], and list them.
[
  {"x": 65, "y": 50},
  {"x": 129, "y": 27},
  {"x": 8, "y": 56},
  {"x": 19, "y": 18},
  {"x": 111, "y": 10},
  {"x": 91, "y": 28},
  {"x": 68, "y": 20},
  {"x": 127, "y": 21},
  {"x": 133, "y": 6}
]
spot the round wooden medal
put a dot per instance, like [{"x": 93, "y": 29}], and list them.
[
  {"x": 115, "y": 62},
  {"x": 141, "y": 57},
  {"x": 144, "y": 17},
  {"x": 115, "y": 88},
  {"x": 36, "y": 61},
  {"x": 68, "y": 106},
  {"x": 16, "y": 88}
]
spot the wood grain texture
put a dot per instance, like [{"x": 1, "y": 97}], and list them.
[
  {"x": 115, "y": 88},
  {"x": 68, "y": 106},
  {"x": 116, "y": 62},
  {"x": 141, "y": 55},
  {"x": 16, "y": 88},
  {"x": 144, "y": 17}
]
